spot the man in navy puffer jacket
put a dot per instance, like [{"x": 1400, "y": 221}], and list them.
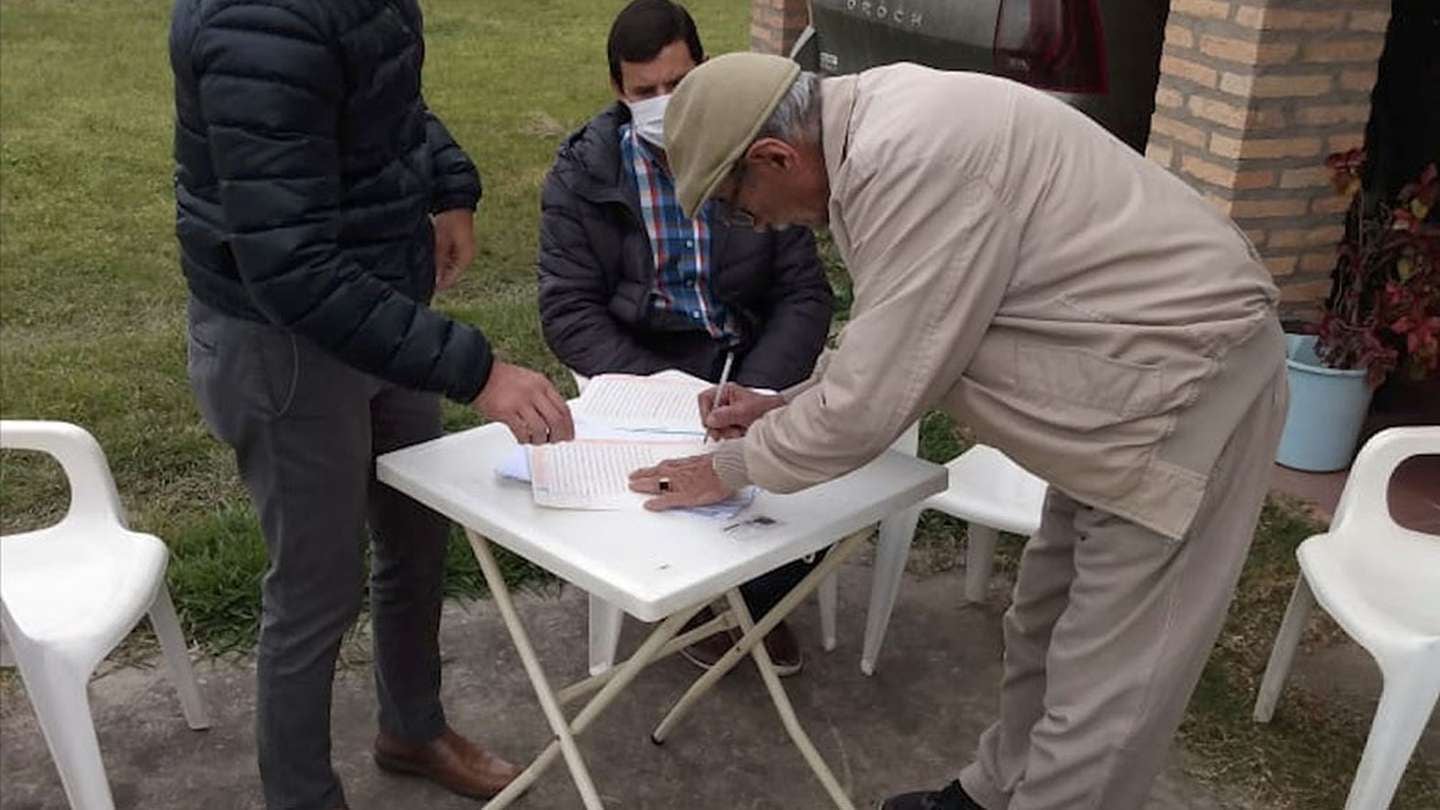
[{"x": 320, "y": 205}]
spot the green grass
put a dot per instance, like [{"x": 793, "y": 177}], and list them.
[
  {"x": 92, "y": 300},
  {"x": 92, "y": 326}
]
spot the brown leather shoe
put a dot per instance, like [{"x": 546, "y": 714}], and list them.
[
  {"x": 784, "y": 649},
  {"x": 450, "y": 760},
  {"x": 780, "y": 642}
]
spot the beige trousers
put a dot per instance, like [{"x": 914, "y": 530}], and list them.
[{"x": 1109, "y": 630}]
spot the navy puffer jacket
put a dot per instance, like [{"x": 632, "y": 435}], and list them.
[
  {"x": 307, "y": 169},
  {"x": 597, "y": 270}
]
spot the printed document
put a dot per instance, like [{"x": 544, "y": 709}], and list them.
[
  {"x": 665, "y": 402},
  {"x": 595, "y": 473}
]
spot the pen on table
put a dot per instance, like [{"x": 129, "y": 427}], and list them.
[{"x": 720, "y": 389}]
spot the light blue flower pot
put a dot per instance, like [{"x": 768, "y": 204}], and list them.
[{"x": 1327, "y": 410}]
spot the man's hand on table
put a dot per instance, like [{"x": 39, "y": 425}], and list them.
[
  {"x": 740, "y": 408},
  {"x": 527, "y": 403},
  {"x": 680, "y": 483}
]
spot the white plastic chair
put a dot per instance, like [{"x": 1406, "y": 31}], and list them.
[
  {"x": 988, "y": 491},
  {"x": 1381, "y": 583},
  {"x": 70, "y": 593}
]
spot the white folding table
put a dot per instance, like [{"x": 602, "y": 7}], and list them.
[{"x": 658, "y": 567}]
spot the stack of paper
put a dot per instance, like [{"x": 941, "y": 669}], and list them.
[
  {"x": 595, "y": 473},
  {"x": 623, "y": 422},
  {"x": 668, "y": 402}
]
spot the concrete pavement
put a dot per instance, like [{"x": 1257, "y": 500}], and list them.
[{"x": 910, "y": 726}]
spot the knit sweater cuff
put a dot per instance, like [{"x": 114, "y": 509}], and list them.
[
  {"x": 797, "y": 389},
  {"x": 729, "y": 463}
]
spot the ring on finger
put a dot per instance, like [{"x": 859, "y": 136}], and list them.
[{"x": 664, "y": 484}]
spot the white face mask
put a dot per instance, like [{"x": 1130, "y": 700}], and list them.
[{"x": 648, "y": 118}]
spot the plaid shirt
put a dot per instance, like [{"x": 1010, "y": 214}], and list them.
[{"x": 682, "y": 294}]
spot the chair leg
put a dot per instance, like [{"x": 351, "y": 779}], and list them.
[
  {"x": 891, "y": 550},
  {"x": 980, "y": 544},
  {"x": 1282, "y": 655},
  {"x": 605, "y": 622},
  {"x": 63, "y": 708},
  {"x": 1409, "y": 697},
  {"x": 177, "y": 657},
  {"x": 828, "y": 595}
]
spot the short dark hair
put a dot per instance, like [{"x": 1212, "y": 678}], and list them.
[{"x": 644, "y": 28}]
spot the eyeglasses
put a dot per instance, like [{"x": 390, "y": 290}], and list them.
[{"x": 731, "y": 214}]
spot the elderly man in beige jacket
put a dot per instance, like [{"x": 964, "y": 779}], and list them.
[{"x": 1077, "y": 306}]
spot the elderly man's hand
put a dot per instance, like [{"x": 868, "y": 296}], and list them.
[
  {"x": 680, "y": 482},
  {"x": 739, "y": 409}
]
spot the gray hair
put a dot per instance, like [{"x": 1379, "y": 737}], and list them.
[{"x": 797, "y": 118}]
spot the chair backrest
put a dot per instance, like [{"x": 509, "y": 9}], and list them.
[
  {"x": 93, "y": 497},
  {"x": 1398, "y": 568},
  {"x": 1365, "y": 500}
]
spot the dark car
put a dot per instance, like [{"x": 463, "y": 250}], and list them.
[{"x": 1057, "y": 45}]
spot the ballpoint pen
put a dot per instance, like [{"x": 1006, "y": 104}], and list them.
[{"x": 720, "y": 389}]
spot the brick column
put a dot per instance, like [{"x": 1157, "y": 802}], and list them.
[
  {"x": 1253, "y": 95},
  {"x": 776, "y": 24}
]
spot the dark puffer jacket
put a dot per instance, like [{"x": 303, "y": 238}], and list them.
[
  {"x": 307, "y": 169},
  {"x": 597, "y": 270}
]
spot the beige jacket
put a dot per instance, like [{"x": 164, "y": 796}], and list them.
[{"x": 1077, "y": 305}]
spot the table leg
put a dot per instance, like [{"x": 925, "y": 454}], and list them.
[
  {"x": 724, "y": 621},
  {"x": 787, "y": 712},
  {"x": 727, "y": 662},
  {"x": 548, "y": 704},
  {"x": 611, "y": 683},
  {"x": 617, "y": 679}
]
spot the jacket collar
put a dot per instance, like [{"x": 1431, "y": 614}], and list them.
[
  {"x": 837, "y": 103},
  {"x": 590, "y": 161},
  {"x": 590, "y": 165},
  {"x": 837, "y": 109}
]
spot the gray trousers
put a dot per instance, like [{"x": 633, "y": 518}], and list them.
[
  {"x": 1110, "y": 627},
  {"x": 306, "y": 428}
]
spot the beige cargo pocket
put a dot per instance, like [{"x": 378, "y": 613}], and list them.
[{"x": 1084, "y": 391}]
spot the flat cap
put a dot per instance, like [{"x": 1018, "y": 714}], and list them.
[{"x": 715, "y": 114}]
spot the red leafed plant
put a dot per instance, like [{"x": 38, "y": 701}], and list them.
[{"x": 1384, "y": 305}]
